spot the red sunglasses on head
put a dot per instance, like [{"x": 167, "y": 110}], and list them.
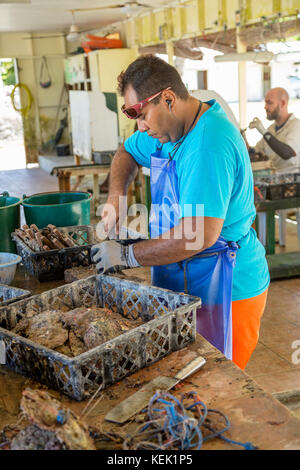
[{"x": 133, "y": 112}]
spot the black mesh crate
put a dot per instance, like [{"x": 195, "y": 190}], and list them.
[
  {"x": 50, "y": 265},
  {"x": 169, "y": 324},
  {"x": 260, "y": 192},
  {"x": 282, "y": 186}
]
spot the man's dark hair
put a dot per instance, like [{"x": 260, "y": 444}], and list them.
[{"x": 148, "y": 75}]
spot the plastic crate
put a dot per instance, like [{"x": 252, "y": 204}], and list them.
[
  {"x": 260, "y": 192},
  {"x": 50, "y": 265},
  {"x": 282, "y": 186},
  {"x": 170, "y": 325},
  {"x": 10, "y": 294},
  {"x": 103, "y": 158},
  {"x": 62, "y": 150}
]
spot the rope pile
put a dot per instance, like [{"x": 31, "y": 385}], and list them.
[{"x": 175, "y": 424}]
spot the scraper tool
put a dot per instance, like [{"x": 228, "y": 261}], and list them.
[{"x": 139, "y": 400}]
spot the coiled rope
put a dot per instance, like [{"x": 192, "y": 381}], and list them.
[
  {"x": 179, "y": 424},
  {"x": 25, "y": 110}
]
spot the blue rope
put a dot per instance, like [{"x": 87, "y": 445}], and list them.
[
  {"x": 173, "y": 424},
  {"x": 177, "y": 423},
  {"x": 61, "y": 417}
]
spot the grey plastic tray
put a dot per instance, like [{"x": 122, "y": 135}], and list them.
[
  {"x": 103, "y": 158},
  {"x": 170, "y": 324},
  {"x": 12, "y": 294}
]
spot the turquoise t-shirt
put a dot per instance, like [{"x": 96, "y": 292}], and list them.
[{"x": 214, "y": 169}]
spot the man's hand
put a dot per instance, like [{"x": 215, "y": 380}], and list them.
[
  {"x": 111, "y": 256},
  {"x": 257, "y": 124}
]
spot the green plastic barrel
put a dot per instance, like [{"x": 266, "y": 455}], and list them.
[
  {"x": 9, "y": 221},
  {"x": 58, "y": 208}
]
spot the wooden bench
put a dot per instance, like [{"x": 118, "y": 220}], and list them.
[{"x": 64, "y": 174}]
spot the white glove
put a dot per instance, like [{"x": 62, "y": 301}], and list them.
[
  {"x": 111, "y": 256},
  {"x": 102, "y": 234},
  {"x": 257, "y": 124}
]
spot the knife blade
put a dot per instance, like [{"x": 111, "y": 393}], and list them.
[{"x": 139, "y": 400}]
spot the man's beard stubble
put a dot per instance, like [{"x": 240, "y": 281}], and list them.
[{"x": 274, "y": 115}]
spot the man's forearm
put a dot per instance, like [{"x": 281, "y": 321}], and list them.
[
  {"x": 158, "y": 252},
  {"x": 283, "y": 150},
  {"x": 123, "y": 171},
  {"x": 181, "y": 242}
]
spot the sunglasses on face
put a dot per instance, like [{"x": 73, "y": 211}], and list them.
[{"x": 133, "y": 112}]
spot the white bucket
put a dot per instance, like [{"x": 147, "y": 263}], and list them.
[{"x": 8, "y": 266}]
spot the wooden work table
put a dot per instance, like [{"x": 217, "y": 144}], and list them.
[
  {"x": 269, "y": 207},
  {"x": 281, "y": 265},
  {"x": 255, "y": 415}
]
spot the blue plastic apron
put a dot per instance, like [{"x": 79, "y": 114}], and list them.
[{"x": 207, "y": 275}]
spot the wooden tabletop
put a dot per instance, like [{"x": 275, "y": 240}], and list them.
[
  {"x": 288, "y": 203},
  {"x": 255, "y": 415}
]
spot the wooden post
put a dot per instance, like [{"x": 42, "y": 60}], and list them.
[
  {"x": 64, "y": 180},
  {"x": 76, "y": 159},
  {"x": 77, "y": 162},
  {"x": 77, "y": 184},
  {"x": 61, "y": 182},
  {"x": 242, "y": 68},
  {"x": 270, "y": 245},
  {"x": 170, "y": 52},
  {"x": 96, "y": 194}
]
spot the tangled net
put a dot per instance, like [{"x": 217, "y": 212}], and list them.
[{"x": 175, "y": 424}]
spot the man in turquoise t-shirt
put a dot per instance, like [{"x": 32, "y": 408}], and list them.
[{"x": 213, "y": 170}]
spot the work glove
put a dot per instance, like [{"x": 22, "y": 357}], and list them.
[
  {"x": 103, "y": 235},
  {"x": 113, "y": 256},
  {"x": 257, "y": 124}
]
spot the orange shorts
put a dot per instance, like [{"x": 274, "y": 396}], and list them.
[{"x": 246, "y": 316}]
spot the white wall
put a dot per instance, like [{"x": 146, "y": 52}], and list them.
[
  {"x": 39, "y": 125},
  {"x": 254, "y": 81},
  {"x": 279, "y": 77},
  {"x": 223, "y": 77}
]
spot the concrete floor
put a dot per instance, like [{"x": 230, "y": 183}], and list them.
[
  {"x": 12, "y": 154},
  {"x": 275, "y": 364},
  {"x": 27, "y": 181}
]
